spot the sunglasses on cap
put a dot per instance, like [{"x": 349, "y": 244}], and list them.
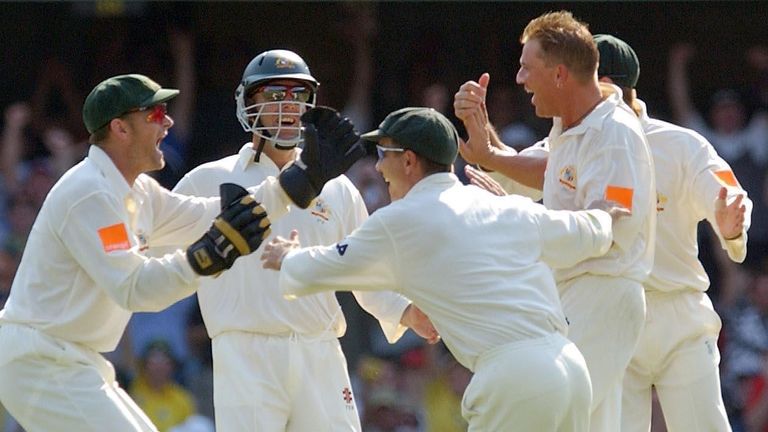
[
  {"x": 278, "y": 93},
  {"x": 156, "y": 113}
]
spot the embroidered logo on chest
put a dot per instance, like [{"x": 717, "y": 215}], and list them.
[
  {"x": 321, "y": 211},
  {"x": 567, "y": 177}
]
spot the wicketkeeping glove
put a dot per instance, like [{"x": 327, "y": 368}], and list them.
[
  {"x": 238, "y": 230},
  {"x": 330, "y": 148}
]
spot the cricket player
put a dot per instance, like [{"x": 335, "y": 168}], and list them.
[
  {"x": 86, "y": 266},
  {"x": 596, "y": 149},
  {"x": 678, "y": 351},
  {"x": 267, "y": 351},
  {"x": 475, "y": 264}
]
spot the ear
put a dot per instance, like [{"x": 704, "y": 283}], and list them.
[
  {"x": 118, "y": 126},
  {"x": 410, "y": 161},
  {"x": 561, "y": 75}
]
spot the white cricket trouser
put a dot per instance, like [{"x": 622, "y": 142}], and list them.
[
  {"x": 533, "y": 385},
  {"x": 605, "y": 315},
  {"x": 678, "y": 355},
  {"x": 293, "y": 383},
  {"x": 48, "y": 384}
]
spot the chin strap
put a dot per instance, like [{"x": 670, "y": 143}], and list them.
[{"x": 259, "y": 148}]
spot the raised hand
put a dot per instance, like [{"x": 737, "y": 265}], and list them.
[
  {"x": 729, "y": 217},
  {"x": 330, "y": 148}
]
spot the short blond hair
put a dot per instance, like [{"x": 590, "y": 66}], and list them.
[{"x": 564, "y": 39}]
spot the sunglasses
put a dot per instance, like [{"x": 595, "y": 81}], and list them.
[
  {"x": 380, "y": 150},
  {"x": 156, "y": 114},
  {"x": 277, "y": 93}
]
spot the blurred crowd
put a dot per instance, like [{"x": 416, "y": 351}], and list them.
[{"x": 164, "y": 359}]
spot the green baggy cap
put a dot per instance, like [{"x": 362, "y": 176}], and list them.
[
  {"x": 425, "y": 131},
  {"x": 618, "y": 61},
  {"x": 115, "y": 96}
]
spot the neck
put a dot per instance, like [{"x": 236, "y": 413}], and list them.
[
  {"x": 122, "y": 163},
  {"x": 279, "y": 157},
  {"x": 581, "y": 103}
]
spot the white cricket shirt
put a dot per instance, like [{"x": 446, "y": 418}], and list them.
[
  {"x": 689, "y": 175},
  {"x": 85, "y": 269},
  {"x": 246, "y": 298},
  {"x": 605, "y": 156},
  {"x": 472, "y": 261}
]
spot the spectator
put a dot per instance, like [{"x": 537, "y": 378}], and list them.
[
  {"x": 746, "y": 349},
  {"x": 156, "y": 391}
]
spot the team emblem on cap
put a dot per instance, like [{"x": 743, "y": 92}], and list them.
[{"x": 282, "y": 63}]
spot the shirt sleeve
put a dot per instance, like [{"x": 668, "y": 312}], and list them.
[
  {"x": 386, "y": 306},
  {"x": 710, "y": 173},
  {"x": 359, "y": 262},
  {"x": 620, "y": 162},
  {"x": 97, "y": 238},
  {"x": 568, "y": 237}
]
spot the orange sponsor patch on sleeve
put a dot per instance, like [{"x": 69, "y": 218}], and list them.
[
  {"x": 114, "y": 237},
  {"x": 621, "y": 195},
  {"x": 727, "y": 177}
]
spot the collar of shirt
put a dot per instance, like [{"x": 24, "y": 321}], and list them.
[
  {"x": 612, "y": 98},
  {"x": 442, "y": 180},
  {"x": 644, "y": 117},
  {"x": 246, "y": 158},
  {"x": 104, "y": 163}
]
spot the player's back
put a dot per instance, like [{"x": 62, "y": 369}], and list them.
[{"x": 473, "y": 258}]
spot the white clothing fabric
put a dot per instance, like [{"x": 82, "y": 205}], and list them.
[
  {"x": 689, "y": 174},
  {"x": 472, "y": 261},
  {"x": 554, "y": 384},
  {"x": 273, "y": 383},
  {"x": 86, "y": 267},
  {"x": 56, "y": 385},
  {"x": 240, "y": 299},
  {"x": 608, "y": 148},
  {"x": 244, "y": 306},
  {"x": 678, "y": 355},
  {"x": 677, "y": 352},
  {"x": 607, "y": 151}
]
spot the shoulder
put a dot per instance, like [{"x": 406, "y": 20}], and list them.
[
  {"x": 660, "y": 132},
  {"x": 340, "y": 186},
  {"x": 81, "y": 181},
  {"x": 225, "y": 164}
]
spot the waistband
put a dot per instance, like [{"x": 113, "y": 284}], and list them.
[
  {"x": 552, "y": 339},
  {"x": 288, "y": 335}
]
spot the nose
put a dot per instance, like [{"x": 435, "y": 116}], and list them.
[
  {"x": 519, "y": 78},
  {"x": 168, "y": 121},
  {"x": 378, "y": 165}
]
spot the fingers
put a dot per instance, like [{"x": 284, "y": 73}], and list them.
[
  {"x": 484, "y": 80},
  {"x": 471, "y": 96},
  {"x": 722, "y": 193},
  {"x": 319, "y": 115}
]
